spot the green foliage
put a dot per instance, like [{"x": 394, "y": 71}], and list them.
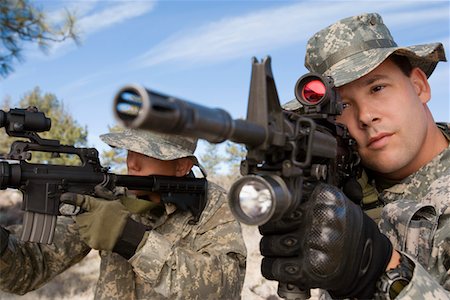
[
  {"x": 64, "y": 127},
  {"x": 115, "y": 158},
  {"x": 22, "y": 21}
]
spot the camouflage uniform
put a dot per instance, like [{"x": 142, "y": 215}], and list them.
[
  {"x": 416, "y": 219},
  {"x": 178, "y": 260},
  {"x": 415, "y": 213}
]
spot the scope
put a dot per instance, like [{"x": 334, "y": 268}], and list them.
[
  {"x": 313, "y": 92},
  {"x": 317, "y": 94},
  {"x": 24, "y": 119}
]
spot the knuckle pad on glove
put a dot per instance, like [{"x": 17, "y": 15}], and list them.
[
  {"x": 286, "y": 270},
  {"x": 280, "y": 245},
  {"x": 286, "y": 224}
]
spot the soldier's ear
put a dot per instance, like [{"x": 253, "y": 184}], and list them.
[
  {"x": 421, "y": 86},
  {"x": 184, "y": 165}
]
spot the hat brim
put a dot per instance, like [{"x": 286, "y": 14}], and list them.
[
  {"x": 151, "y": 146},
  {"x": 159, "y": 149},
  {"x": 359, "y": 64}
]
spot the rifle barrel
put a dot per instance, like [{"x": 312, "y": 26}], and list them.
[{"x": 141, "y": 108}]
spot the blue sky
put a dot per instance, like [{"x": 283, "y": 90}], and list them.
[{"x": 201, "y": 50}]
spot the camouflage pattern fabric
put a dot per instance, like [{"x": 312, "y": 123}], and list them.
[
  {"x": 160, "y": 146},
  {"x": 27, "y": 266},
  {"x": 157, "y": 145},
  {"x": 354, "y": 46},
  {"x": 416, "y": 218},
  {"x": 177, "y": 261}
]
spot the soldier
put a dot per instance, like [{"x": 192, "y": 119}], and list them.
[
  {"x": 148, "y": 250},
  {"x": 334, "y": 245}
]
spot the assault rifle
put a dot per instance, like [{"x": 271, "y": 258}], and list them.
[
  {"x": 288, "y": 151},
  {"x": 43, "y": 184}
]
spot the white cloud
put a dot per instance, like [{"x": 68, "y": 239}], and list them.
[
  {"x": 80, "y": 83},
  {"x": 114, "y": 14},
  {"x": 273, "y": 28},
  {"x": 92, "y": 16}
]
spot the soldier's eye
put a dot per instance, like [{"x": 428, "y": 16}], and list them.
[{"x": 377, "y": 88}]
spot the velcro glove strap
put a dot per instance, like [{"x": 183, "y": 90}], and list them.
[{"x": 130, "y": 239}]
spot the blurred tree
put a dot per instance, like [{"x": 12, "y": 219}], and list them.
[
  {"x": 22, "y": 21},
  {"x": 235, "y": 153},
  {"x": 64, "y": 127},
  {"x": 223, "y": 165},
  {"x": 211, "y": 158}
]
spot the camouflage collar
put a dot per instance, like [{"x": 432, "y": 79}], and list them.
[
  {"x": 426, "y": 173},
  {"x": 445, "y": 128}
]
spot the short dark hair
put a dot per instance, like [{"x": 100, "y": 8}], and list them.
[{"x": 403, "y": 63}]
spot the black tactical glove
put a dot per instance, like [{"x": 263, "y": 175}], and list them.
[
  {"x": 332, "y": 245},
  {"x": 4, "y": 237}
]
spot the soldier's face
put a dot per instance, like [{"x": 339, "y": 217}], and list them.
[
  {"x": 386, "y": 113},
  {"x": 142, "y": 165}
]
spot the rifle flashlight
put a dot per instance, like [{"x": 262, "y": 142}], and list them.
[{"x": 254, "y": 200}]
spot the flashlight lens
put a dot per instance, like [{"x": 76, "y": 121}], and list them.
[
  {"x": 313, "y": 91},
  {"x": 255, "y": 199}
]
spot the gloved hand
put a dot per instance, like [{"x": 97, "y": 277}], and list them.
[
  {"x": 332, "y": 245},
  {"x": 4, "y": 238},
  {"x": 130, "y": 201},
  {"x": 106, "y": 225}
]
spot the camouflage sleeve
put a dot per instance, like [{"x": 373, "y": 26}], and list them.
[
  {"x": 423, "y": 286},
  {"x": 211, "y": 266},
  {"x": 28, "y": 266},
  {"x": 422, "y": 231}
]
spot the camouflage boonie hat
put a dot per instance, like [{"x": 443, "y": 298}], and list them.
[
  {"x": 354, "y": 46},
  {"x": 160, "y": 146}
]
